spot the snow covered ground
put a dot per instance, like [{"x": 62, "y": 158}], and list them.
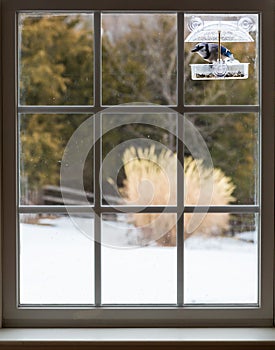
[{"x": 57, "y": 266}]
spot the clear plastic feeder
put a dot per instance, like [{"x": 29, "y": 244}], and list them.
[
  {"x": 227, "y": 70},
  {"x": 233, "y": 28}
]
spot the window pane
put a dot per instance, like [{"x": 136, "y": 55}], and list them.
[
  {"x": 43, "y": 139},
  {"x": 232, "y": 140},
  {"x": 56, "y": 260},
  {"x": 139, "y": 159},
  {"x": 55, "y": 59},
  {"x": 221, "y": 258},
  {"x": 239, "y": 34},
  {"x": 139, "y": 58},
  {"x": 139, "y": 259}
]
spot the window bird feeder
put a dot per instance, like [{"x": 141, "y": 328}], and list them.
[{"x": 217, "y": 32}]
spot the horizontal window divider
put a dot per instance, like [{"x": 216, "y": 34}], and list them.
[
  {"x": 186, "y": 209},
  {"x": 78, "y": 109},
  {"x": 95, "y": 109},
  {"x": 59, "y": 109},
  {"x": 60, "y": 209},
  {"x": 140, "y": 108},
  {"x": 222, "y": 209},
  {"x": 139, "y": 209},
  {"x": 221, "y": 109},
  {"x": 126, "y": 6},
  {"x": 28, "y": 209}
]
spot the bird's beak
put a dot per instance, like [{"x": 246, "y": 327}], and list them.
[{"x": 195, "y": 49}]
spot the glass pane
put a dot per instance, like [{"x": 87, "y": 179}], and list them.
[
  {"x": 234, "y": 79},
  {"x": 139, "y": 160},
  {"x": 55, "y": 59},
  {"x": 56, "y": 260},
  {"x": 139, "y": 259},
  {"x": 139, "y": 58},
  {"x": 221, "y": 258},
  {"x": 232, "y": 140},
  {"x": 43, "y": 140}
]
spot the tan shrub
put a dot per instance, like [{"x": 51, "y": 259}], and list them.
[{"x": 151, "y": 180}]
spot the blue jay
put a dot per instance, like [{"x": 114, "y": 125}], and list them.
[{"x": 209, "y": 52}]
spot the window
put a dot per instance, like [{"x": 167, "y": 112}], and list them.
[{"x": 136, "y": 179}]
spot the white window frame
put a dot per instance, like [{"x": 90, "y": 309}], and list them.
[{"x": 74, "y": 316}]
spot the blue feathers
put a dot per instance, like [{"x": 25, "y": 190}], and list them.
[
  {"x": 225, "y": 52},
  {"x": 209, "y": 52}
]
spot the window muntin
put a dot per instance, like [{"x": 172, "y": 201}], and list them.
[{"x": 169, "y": 316}]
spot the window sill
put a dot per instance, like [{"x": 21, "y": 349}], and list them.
[{"x": 198, "y": 338}]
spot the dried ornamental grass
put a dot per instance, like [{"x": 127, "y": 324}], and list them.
[{"x": 151, "y": 180}]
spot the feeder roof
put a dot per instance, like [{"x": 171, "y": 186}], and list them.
[{"x": 231, "y": 31}]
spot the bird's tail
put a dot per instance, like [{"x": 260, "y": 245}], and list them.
[
  {"x": 231, "y": 59},
  {"x": 227, "y": 53}
]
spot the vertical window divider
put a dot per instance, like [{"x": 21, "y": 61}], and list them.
[
  {"x": 180, "y": 157},
  {"x": 97, "y": 157},
  {"x": 258, "y": 187},
  {"x": 97, "y": 59},
  {"x": 17, "y": 166}
]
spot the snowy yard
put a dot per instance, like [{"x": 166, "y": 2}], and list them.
[{"x": 57, "y": 266}]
